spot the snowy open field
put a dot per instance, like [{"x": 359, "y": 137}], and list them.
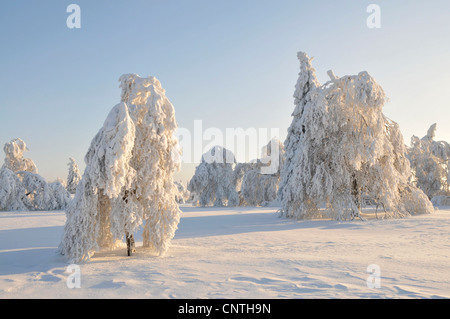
[{"x": 237, "y": 253}]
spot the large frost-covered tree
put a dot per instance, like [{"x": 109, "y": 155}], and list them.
[
  {"x": 73, "y": 177},
  {"x": 21, "y": 188},
  {"x": 430, "y": 161},
  {"x": 341, "y": 147},
  {"x": 260, "y": 184},
  {"x": 128, "y": 179},
  {"x": 214, "y": 181}
]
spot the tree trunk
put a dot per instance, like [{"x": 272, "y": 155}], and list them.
[
  {"x": 131, "y": 248},
  {"x": 356, "y": 197}
]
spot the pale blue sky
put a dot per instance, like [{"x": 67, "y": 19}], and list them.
[{"x": 228, "y": 63}]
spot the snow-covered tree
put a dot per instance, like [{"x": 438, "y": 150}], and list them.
[
  {"x": 430, "y": 161},
  {"x": 441, "y": 200},
  {"x": 60, "y": 196},
  {"x": 21, "y": 188},
  {"x": 40, "y": 195},
  {"x": 14, "y": 159},
  {"x": 12, "y": 193},
  {"x": 239, "y": 172},
  {"x": 128, "y": 179},
  {"x": 183, "y": 194},
  {"x": 213, "y": 180},
  {"x": 341, "y": 147},
  {"x": 74, "y": 176},
  {"x": 306, "y": 84},
  {"x": 60, "y": 180},
  {"x": 29, "y": 191},
  {"x": 260, "y": 184}
]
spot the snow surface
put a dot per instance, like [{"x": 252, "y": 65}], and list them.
[{"x": 237, "y": 252}]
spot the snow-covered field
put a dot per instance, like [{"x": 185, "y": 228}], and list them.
[{"x": 237, "y": 253}]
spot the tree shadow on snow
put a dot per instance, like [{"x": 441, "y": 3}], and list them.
[
  {"x": 28, "y": 250},
  {"x": 218, "y": 225}
]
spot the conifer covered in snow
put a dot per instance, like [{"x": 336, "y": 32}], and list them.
[
  {"x": 214, "y": 181},
  {"x": 74, "y": 176},
  {"x": 430, "y": 161},
  {"x": 306, "y": 84},
  {"x": 340, "y": 148},
  {"x": 128, "y": 180},
  {"x": 260, "y": 184}
]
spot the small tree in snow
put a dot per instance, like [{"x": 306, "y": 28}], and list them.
[
  {"x": 128, "y": 180},
  {"x": 340, "y": 147},
  {"x": 213, "y": 180},
  {"x": 14, "y": 159},
  {"x": 430, "y": 161},
  {"x": 73, "y": 177},
  {"x": 260, "y": 184}
]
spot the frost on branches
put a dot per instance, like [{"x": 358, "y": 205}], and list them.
[
  {"x": 341, "y": 149},
  {"x": 128, "y": 180},
  {"x": 21, "y": 188},
  {"x": 74, "y": 176},
  {"x": 260, "y": 183},
  {"x": 430, "y": 161},
  {"x": 213, "y": 182}
]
